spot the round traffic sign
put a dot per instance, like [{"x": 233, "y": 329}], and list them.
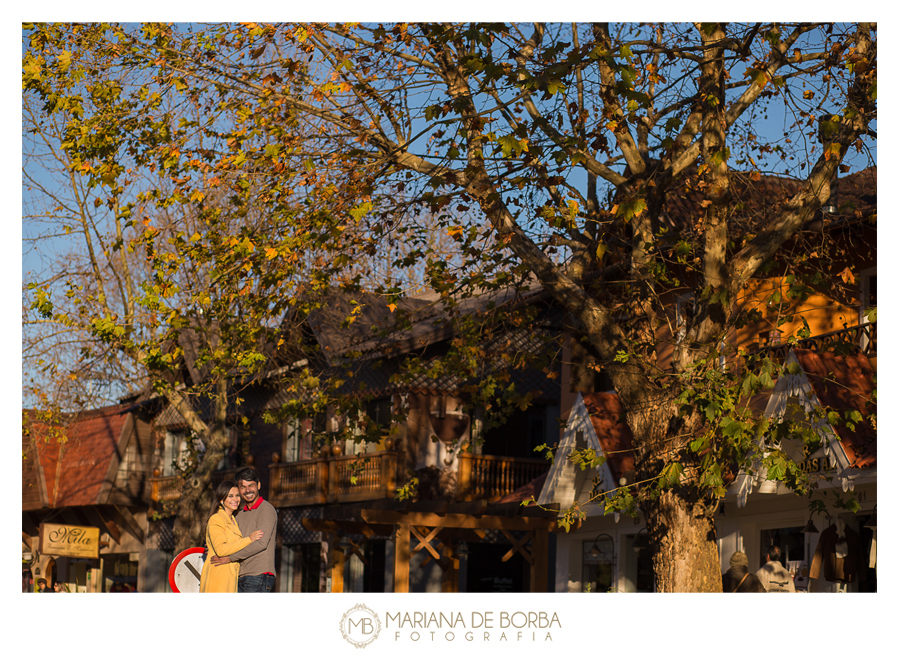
[{"x": 184, "y": 574}]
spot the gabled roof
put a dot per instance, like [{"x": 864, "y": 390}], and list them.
[
  {"x": 831, "y": 383},
  {"x": 607, "y": 419},
  {"x": 845, "y": 383},
  {"x": 427, "y": 319},
  {"x": 76, "y": 470},
  {"x": 762, "y": 198},
  {"x": 596, "y": 421}
]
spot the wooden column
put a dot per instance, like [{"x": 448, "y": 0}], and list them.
[
  {"x": 540, "y": 548},
  {"x": 337, "y": 566},
  {"x": 465, "y": 477},
  {"x": 450, "y": 566},
  {"x": 401, "y": 558}
]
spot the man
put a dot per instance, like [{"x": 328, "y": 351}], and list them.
[
  {"x": 258, "y": 559},
  {"x": 773, "y": 576}
]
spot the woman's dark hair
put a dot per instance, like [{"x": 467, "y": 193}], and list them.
[{"x": 220, "y": 495}]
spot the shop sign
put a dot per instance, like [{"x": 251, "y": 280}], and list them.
[
  {"x": 70, "y": 540},
  {"x": 818, "y": 465}
]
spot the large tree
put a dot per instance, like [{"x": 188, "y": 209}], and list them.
[
  {"x": 162, "y": 261},
  {"x": 555, "y": 152}
]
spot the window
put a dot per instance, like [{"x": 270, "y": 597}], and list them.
[
  {"x": 868, "y": 293},
  {"x": 300, "y": 568},
  {"x": 598, "y": 564},
  {"x": 637, "y": 564},
  {"x": 182, "y": 453},
  {"x": 794, "y": 551},
  {"x": 176, "y": 453},
  {"x": 868, "y": 302},
  {"x": 522, "y": 431},
  {"x": 379, "y": 411},
  {"x": 298, "y": 440}
]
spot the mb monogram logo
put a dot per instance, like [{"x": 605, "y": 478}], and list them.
[{"x": 360, "y": 626}]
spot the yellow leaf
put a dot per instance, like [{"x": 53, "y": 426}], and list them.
[
  {"x": 271, "y": 253},
  {"x": 392, "y": 307}
]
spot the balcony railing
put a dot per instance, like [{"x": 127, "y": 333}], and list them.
[
  {"x": 319, "y": 481},
  {"x": 165, "y": 489},
  {"x": 489, "y": 477},
  {"x": 862, "y": 337}
]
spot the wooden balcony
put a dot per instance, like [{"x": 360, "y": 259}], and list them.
[
  {"x": 165, "y": 489},
  {"x": 489, "y": 477},
  {"x": 320, "y": 481},
  {"x": 863, "y": 337}
]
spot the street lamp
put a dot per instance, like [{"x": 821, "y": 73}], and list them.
[
  {"x": 642, "y": 540},
  {"x": 596, "y": 552}
]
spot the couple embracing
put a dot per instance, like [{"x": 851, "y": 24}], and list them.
[{"x": 240, "y": 537}]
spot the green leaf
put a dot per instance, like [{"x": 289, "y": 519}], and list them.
[{"x": 671, "y": 475}]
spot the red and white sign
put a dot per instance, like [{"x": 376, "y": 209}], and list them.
[{"x": 184, "y": 574}]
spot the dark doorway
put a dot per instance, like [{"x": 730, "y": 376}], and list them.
[
  {"x": 373, "y": 573},
  {"x": 486, "y": 572}
]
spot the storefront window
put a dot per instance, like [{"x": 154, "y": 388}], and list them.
[
  {"x": 598, "y": 564},
  {"x": 792, "y": 543},
  {"x": 637, "y": 565},
  {"x": 119, "y": 573}
]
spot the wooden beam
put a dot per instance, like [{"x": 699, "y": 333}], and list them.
[
  {"x": 456, "y": 520},
  {"x": 107, "y": 524},
  {"x": 425, "y": 541},
  {"x": 82, "y": 517},
  {"x": 30, "y": 525},
  {"x": 124, "y": 518},
  {"x": 401, "y": 558},
  {"x": 540, "y": 552},
  {"x": 347, "y": 527},
  {"x": 354, "y": 548},
  {"x": 518, "y": 545}
]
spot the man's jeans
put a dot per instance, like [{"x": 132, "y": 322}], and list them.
[{"x": 262, "y": 583}]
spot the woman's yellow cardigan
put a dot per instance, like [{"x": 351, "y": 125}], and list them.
[{"x": 223, "y": 537}]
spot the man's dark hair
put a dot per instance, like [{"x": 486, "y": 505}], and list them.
[
  {"x": 248, "y": 474},
  {"x": 774, "y": 553}
]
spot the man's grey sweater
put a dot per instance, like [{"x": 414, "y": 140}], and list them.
[{"x": 259, "y": 556}]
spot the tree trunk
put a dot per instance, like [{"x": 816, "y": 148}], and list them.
[
  {"x": 190, "y": 522},
  {"x": 683, "y": 539},
  {"x": 197, "y": 492},
  {"x": 680, "y": 521}
]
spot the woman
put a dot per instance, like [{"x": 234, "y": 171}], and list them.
[
  {"x": 223, "y": 537},
  {"x": 738, "y": 578}
]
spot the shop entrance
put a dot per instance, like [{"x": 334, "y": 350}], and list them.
[
  {"x": 795, "y": 552},
  {"x": 487, "y": 572},
  {"x": 119, "y": 573},
  {"x": 637, "y": 566}
]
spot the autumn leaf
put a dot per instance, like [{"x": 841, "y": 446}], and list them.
[{"x": 847, "y": 275}]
